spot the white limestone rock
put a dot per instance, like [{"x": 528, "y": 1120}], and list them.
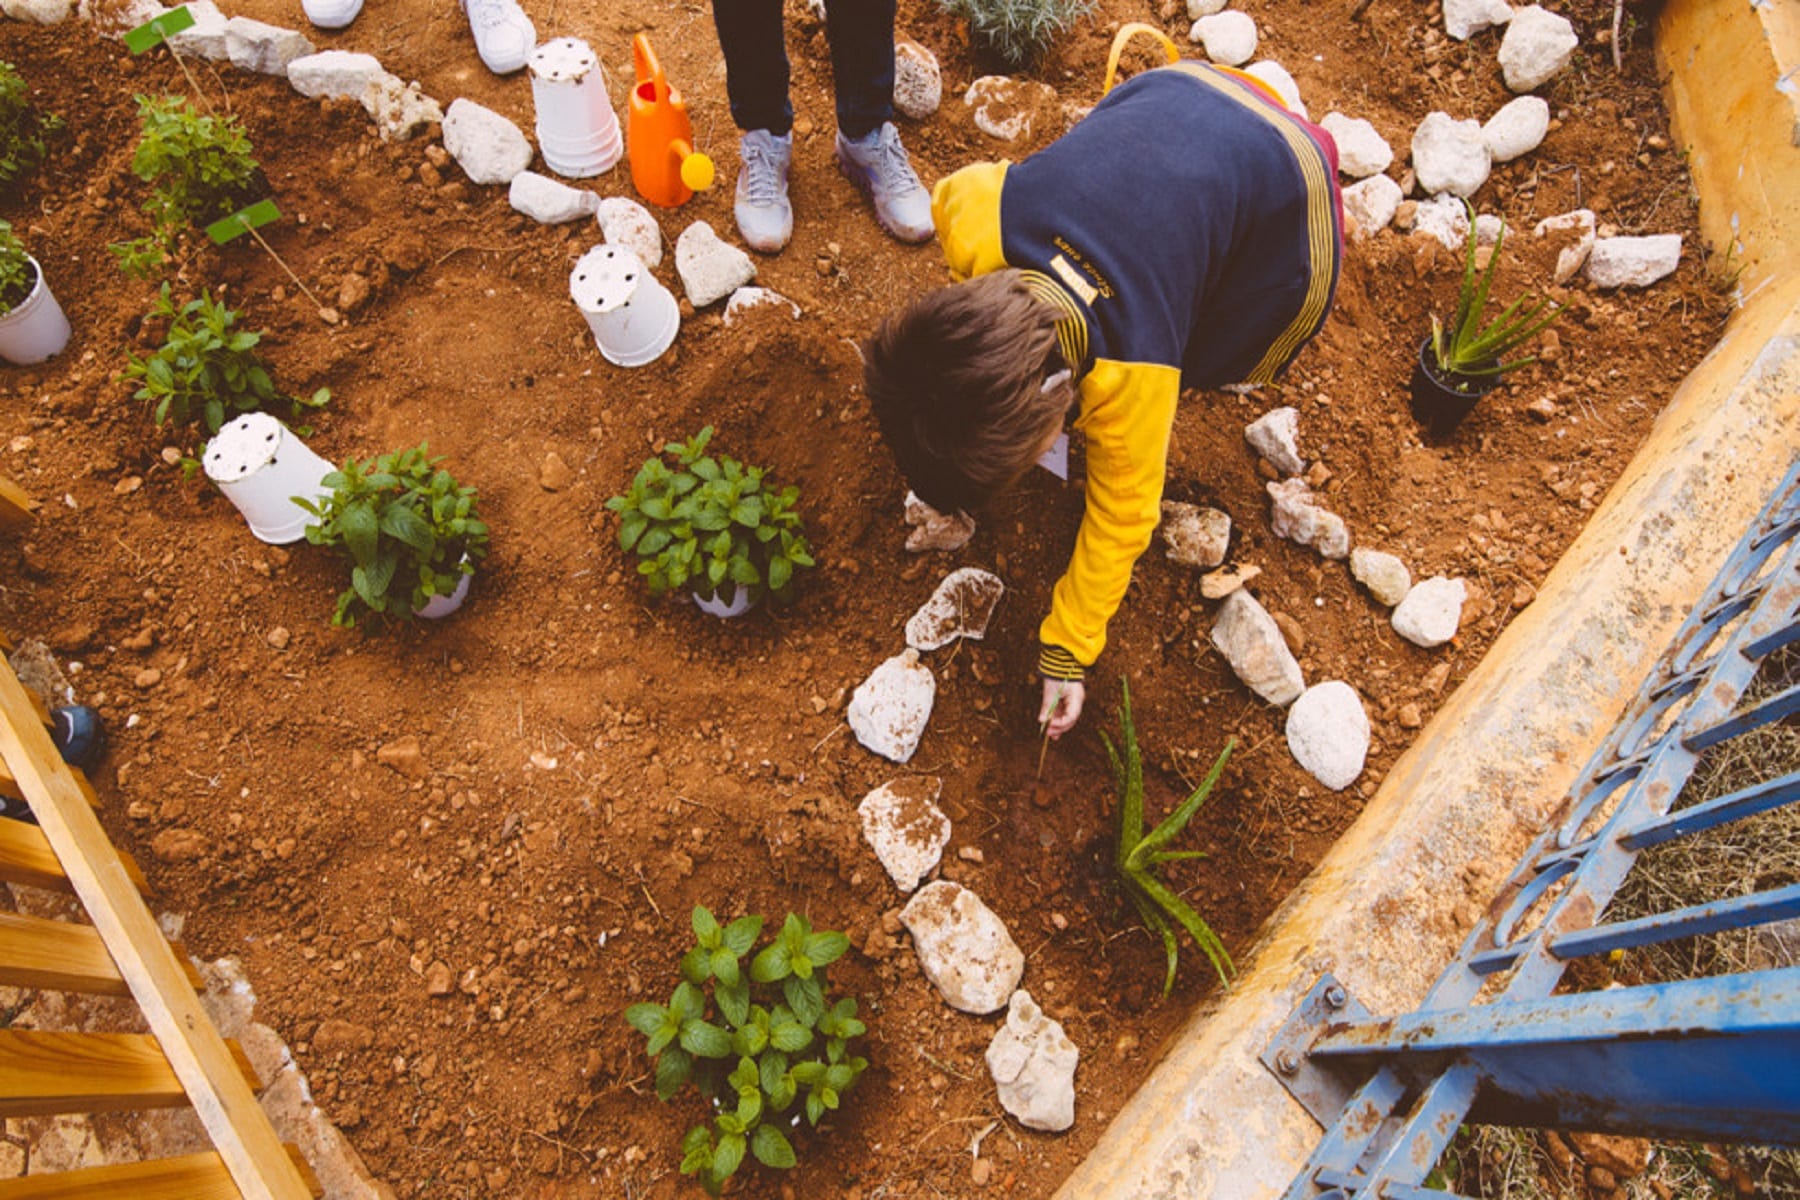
[
  {"x": 889, "y": 709},
  {"x": 747, "y": 298},
  {"x": 1450, "y": 156},
  {"x": 1251, "y": 642},
  {"x": 918, "y": 82},
  {"x": 1204, "y": 8},
  {"x": 1382, "y": 573},
  {"x": 1033, "y": 1064},
  {"x": 1488, "y": 228},
  {"x": 1517, "y": 129},
  {"x": 549, "y": 201},
  {"x": 1195, "y": 536},
  {"x": 261, "y": 47},
  {"x": 1463, "y": 19},
  {"x": 710, "y": 267},
  {"x": 1371, "y": 205},
  {"x": 1537, "y": 46},
  {"x": 338, "y": 74},
  {"x": 115, "y": 20},
  {"x": 1004, "y": 106},
  {"x": 1444, "y": 218},
  {"x": 1328, "y": 733},
  {"x": 1276, "y": 436},
  {"x": 1576, "y": 233},
  {"x": 1362, "y": 151},
  {"x": 1228, "y": 37},
  {"x": 963, "y": 948},
  {"x": 625, "y": 222},
  {"x": 399, "y": 109},
  {"x": 1299, "y": 517},
  {"x": 1431, "y": 612},
  {"x": 38, "y": 12},
  {"x": 206, "y": 37},
  {"x": 933, "y": 530},
  {"x": 1633, "y": 261},
  {"x": 960, "y": 607},
  {"x": 1216, "y": 585},
  {"x": 904, "y": 826},
  {"x": 1277, "y": 77},
  {"x": 488, "y": 147}
]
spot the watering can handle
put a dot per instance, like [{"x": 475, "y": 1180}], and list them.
[
  {"x": 1125, "y": 34},
  {"x": 644, "y": 64}
]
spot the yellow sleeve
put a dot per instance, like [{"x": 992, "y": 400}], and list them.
[
  {"x": 1127, "y": 412},
  {"x": 965, "y": 207}
]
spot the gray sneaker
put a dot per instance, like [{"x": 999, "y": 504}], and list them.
[
  {"x": 877, "y": 164},
  {"x": 764, "y": 216}
]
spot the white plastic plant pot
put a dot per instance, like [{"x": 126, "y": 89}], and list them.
[
  {"x": 634, "y": 318},
  {"x": 719, "y": 605},
  {"x": 577, "y": 129},
  {"x": 261, "y": 467},
  {"x": 36, "y": 328},
  {"x": 443, "y": 606}
]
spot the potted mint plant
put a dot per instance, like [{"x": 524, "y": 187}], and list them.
[{"x": 32, "y": 324}]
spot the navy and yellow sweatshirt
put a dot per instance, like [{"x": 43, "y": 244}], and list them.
[{"x": 1190, "y": 227}]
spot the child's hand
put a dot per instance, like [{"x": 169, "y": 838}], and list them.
[{"x": 1062, "y": 705}]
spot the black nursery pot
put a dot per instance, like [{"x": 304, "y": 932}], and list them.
[{"x": 1441, "y": 400}]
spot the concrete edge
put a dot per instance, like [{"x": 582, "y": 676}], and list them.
[{"x": 1391, "y": 902}]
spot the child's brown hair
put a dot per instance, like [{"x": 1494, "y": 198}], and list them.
[{"x": 957, "y": 382}]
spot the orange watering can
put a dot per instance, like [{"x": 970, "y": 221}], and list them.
[{"x": 665, "y": 167}]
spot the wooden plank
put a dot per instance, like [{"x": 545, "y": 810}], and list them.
[
  {"x": 10, "y": 786},
  {"x": 62, "y": 956},
  {"x": 190, "y": 1177},
  {"x": 227, "y": 1108},
  {"x": 45, "y": 1072},
  {"x": 16, "y": 508},
  {"x": 26, "y": 856}
]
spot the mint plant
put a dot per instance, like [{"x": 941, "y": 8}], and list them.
[
  {"x": 17, "y": 275},
  {"x": 757, "y": 1038},
  {"x": 1139, "y": 856},
  {"x": 24, "y": 131},
  {"x": 200, "y": 169},
  {"x": 707, "y": 523},
  {"x": 206, "y": 367}
]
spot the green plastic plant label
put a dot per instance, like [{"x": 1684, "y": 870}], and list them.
[
  {"x": 240, "y": 222},
  {"x": 157, "y": 30}
]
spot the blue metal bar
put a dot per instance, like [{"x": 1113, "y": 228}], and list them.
[
  {"x": 1739, "y": 805},
  {"x": 1776, "y": 707},
  {"x": 1351, "y": 1134},
  {"x": 1739, "y": 912}
]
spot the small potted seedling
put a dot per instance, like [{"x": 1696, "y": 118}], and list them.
[
  {"x": 200, "y": 169},
  {"x": 32, "y": 324},
  {"x": 1463, "y": 361},
  {"x": 24, "y": 132},
  {"x": 709, "y": 525},
  {"x": 411, "y": 533}
]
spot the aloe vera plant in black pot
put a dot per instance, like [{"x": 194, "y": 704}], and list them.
[{"x": 1463, "y": 361}]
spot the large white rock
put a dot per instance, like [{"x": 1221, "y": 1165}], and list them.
[
  {"x": 261, "y": 47},
  {"x": 1298, "y": 516},
  {"x": 1277, "y": 77},
  {"x": 549, "y": 201},
  {"x": 963, "y": 948},
  {"x": 1276, "y": 436},
  {"x": 1464, "y": 19},
  {"x": 960, "y": 607},
  {"x": 918, "y": 83},
  {"x": 1517, "y": 129},
  {"x": 488, "y": 147},
  {"x": 889, "y": 709},
  {"x": 907, "y": 830},
  {"x": 1195, "y": 536},
  {"x": 710, "y": 267},
  {"x": 1251, "y": 642},
  {"x": 1004, "y": 106},
  {"x": 38, "y": 12},
  {"x": 1382, "y": 573},
  {"x": 112, "y": 19},
  {"x": 625, "y": 222},
  {"x": 1431, "y": 612},
  {"x": 1449, "y": 155},
  {"x": 1033, "y": 1064},
  {"x": 1228, "y": 37},
  {"x": 1576, "y": 233},
  {"x": 1371, "y": 204},
  {"x": 339, "y": 74},
  {"x": 399, "y": 109},
  {"x": 1362, "y": 151},
  {"x": 206, "y": 37},
  {"x": 1538, "y": 44},
  {"x": 1204, "y": 8},
  {"x": 1444, "y": 218},
  {"x": 747, "y": 298},
  {"x": 1328, "y": 733},
  {"x": 1633, "y": 261}
]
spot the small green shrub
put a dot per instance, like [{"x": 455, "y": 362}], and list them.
[
  {"x": 767, "y": 1039},
  {"x": 199, "y": 168},
  {"x": 1139, "y": 855},
  {"x": 408, "y": 529},
  {"x": 709, "y": 523},
  {"x": 206, "y": 368},
  {"x": 24, "y": 132},
  {"x": 1018, "y": 30},
  {"x": 17, "y": 276}
]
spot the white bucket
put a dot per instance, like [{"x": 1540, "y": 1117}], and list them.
[
  {"x": 577, "y": 130},
  {"x": 261, "y": 466},
  {"x": 634, "y": 318},
  {"x": 442, "y": 606},
  {"x": 717, "y": 605},
  {"x": 36, "y": 328}
]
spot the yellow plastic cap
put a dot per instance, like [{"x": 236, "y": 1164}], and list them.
[{"x": 697, "y": 172}]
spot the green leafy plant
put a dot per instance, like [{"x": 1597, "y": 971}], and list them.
[
  {"x": 756, "y": 1037},
  {"x": 1019, "y": 31},
  {"x": 206, "y": 368},
  {"x": 707, "y": 523},
  {"x": 408, "y": 529},
  {"x": 1472, "y": 350},
  {"x": 1139, "y": 856},
  {"x": 17, "y": 275},
  {"x": 24, "y": 131},
  {"x": 200, "y": 169}
]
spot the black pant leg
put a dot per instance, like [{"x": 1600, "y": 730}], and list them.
[
  {"x": 862, "y": 62},
  {"x": 752, "y": 37}
]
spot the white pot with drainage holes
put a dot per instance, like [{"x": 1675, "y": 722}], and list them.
[
  {"x": 261, "y": 466},
  {"x": 577, "y": 129},
  {"x": 634, "y": 318}
]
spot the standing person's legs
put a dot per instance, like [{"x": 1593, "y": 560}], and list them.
[
  {"x": 868, "y": 146},
  {"x": 756, "y": 82}
]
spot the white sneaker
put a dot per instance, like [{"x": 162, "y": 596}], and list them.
[
  {"x": 504, "y": 35},
  {"x": 331, "y": 14}
]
